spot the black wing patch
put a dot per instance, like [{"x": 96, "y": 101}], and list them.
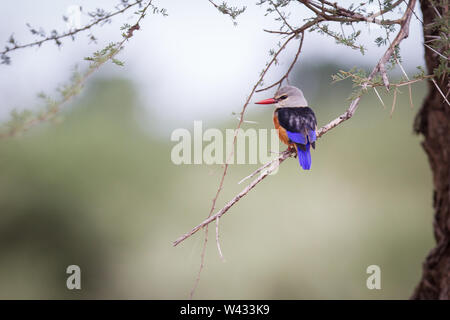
[{"x": 299, "y": 120}]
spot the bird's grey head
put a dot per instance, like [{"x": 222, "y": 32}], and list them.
[{"x": 290, "y": 97}]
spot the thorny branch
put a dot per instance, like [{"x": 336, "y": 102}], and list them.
[{"x": 349, "y": 16}]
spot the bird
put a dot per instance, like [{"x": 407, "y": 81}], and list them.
[{"x": 295, "y": 122}]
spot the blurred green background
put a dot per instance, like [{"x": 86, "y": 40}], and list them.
[{"x": 99, "y": 191}]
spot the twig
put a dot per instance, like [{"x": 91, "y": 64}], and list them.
[
  {"x": 401, "y": 83},
  {"x": 286, "y": 75},
  {"x": 381, "y": 12},
  {"x": 281, "y": 16},
  {"x": 277, "y": 32}
]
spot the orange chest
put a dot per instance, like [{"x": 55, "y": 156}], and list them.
[{"x": 282, "y": 134}]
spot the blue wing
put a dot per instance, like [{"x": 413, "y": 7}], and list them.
[
  {"x": 312, "y": 135},
  {"x": 297, "y": 137}
]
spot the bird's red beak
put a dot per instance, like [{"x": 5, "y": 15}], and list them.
[{"x": 267, "y": 101}]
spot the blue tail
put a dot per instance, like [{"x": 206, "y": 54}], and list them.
[{"x": 304, "y": 157}]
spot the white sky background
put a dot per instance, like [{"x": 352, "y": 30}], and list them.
[{"x": 193, "y": 64}]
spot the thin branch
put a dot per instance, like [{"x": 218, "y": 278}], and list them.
[
  {"x": 414, "y": 13},
  {"x": 71, "y": 33},
  {"x": 277, "y": 32},
  {"x": 401, "y": 83},
  {"x": 381, "y": 12},
  {"x": 286, "y": 75},
  {"x": 281, "y": 16}
]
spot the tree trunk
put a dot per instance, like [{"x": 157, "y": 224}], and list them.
[{"x": 433, "y": 122}]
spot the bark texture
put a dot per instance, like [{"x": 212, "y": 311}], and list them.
[{"x": 433, "y": 122}]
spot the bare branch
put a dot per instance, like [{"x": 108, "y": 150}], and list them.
[
  {"x": 286, "y": 75},
  {"x": 281, "y": 16}
]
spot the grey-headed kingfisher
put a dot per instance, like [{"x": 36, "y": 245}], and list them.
[{"x": 295, "y": 121}]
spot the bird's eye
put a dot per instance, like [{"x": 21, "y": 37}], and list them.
[{"x": 283, "y": 97}]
